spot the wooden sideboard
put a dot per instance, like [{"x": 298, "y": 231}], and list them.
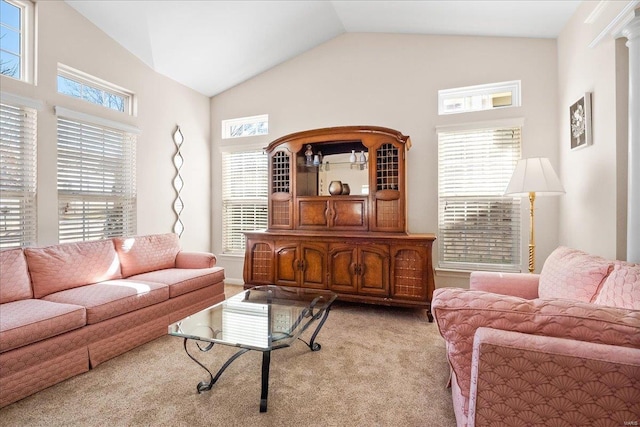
[{"x": 355, "y": 244}]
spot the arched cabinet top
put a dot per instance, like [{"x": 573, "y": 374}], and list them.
[{"x": 368, "y": 135}]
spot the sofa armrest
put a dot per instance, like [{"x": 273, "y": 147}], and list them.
[
  {"x": 195, "y": 260},
  {"x": 516, "y": 284},
  {"x": 522, "y": 379},
  {"x": 460, "y": 312}
]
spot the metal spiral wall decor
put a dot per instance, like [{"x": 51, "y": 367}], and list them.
[{"x": 178, "y": 183}]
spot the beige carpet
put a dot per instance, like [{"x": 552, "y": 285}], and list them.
[{"x": 378, "y": 366}]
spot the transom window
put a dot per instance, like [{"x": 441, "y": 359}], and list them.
[
  {"x": 245, "y": 126},
  {"x": 480, "y": 97},
  {"x": 80, "y": 85},
  {"x": 478, "y": 227}
]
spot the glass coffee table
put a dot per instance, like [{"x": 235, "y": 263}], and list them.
[{"x": 263, "y": 318}]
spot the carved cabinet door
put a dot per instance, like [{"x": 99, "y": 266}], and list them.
[
  {"x": 287, "y": 264},
  {"x": 362, "y": 269},
  {"x": 343, "y": 259},
  {"x": 373, "y": 270},
  {"x": 314, "y": 266},
  {"x": 301, "y": 264},
  {"x": 409, "y": 265},
  {"x": 258, "y": 266}
]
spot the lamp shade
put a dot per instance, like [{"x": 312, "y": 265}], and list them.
[{"x": 534, "y": 175}]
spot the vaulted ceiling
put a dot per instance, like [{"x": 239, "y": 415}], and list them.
[{"x": 211, "y": 46}]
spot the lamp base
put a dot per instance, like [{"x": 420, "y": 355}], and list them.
[
  {"x": 532, "y": 239},
  {"x": 532, "y": 257}
]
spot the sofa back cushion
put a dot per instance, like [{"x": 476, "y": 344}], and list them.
[
  {"x": 15, "y": 283},
  {"x": 142, "y": 254},
  {"x": 622, "y": 287},
  {"x": 69, "y": 265},
  {"x": 573, "y": 274}
]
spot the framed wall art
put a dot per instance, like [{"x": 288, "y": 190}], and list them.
[{"x": 580, "y": 121}]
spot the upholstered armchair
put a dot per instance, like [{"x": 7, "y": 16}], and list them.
[{"x": 559, "y": 348}]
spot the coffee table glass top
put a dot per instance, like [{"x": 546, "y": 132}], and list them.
[{"x": 262, "y": 318}]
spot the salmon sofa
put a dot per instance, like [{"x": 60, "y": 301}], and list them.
[
  {"x": 554, "y": 349},
  {"x": 67, "y": 308}
]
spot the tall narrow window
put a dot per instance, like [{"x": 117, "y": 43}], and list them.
[
  {"x": 96, "y": 181},
  {"x": 17, "y": 176},
  {"x": 244, "y": 197},
  {"x": 479, "y": 228},
  {"x": 16, "y": 35}
]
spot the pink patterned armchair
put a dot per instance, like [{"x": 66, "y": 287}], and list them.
[{"x": 557, "y": 349}]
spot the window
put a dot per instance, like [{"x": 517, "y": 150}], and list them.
[
  {"x": 245, "y": 126},
  {"x": 244, "y": 197},
  {"x": 96, "y": 180},
  {"x": 17, "y": 176},
  {"x": 80, "y": 85},
  {"x": 480, "y": 97},
  {"x": 479, "y": 228},
  {"x": 16, "y": 29}
]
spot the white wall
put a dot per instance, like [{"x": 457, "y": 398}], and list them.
[
  {"x": 592, "y": 213},
  {"x": 65, "y": 36},
  {"x": 393, "y": 81}
]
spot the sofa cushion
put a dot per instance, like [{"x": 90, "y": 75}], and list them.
[
  {"x": 622, "y": 287},
  {"x": 141, "y": 254},
  {"x": 69, "y": 265},
  {"x": 15, "y": 283},
  {"x": 112, "y": 298},
  {"x": 27, "y": 321},
  {"x": 572, "y": 274},
  {"x": 183, "y": 280}
]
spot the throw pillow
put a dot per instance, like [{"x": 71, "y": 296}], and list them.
[
  {"x": 622, "y": 287},
  {"x": 572, "y": 274}
]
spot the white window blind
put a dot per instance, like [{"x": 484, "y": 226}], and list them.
[
  {"x": 479, "y": 228},
  {"x": 96, "y": 181},
  {"x": 244, "y": 197},
  {"x": 17, "y": 176}
]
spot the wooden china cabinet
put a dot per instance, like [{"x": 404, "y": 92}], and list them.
[{"x": 354, "y": 243}]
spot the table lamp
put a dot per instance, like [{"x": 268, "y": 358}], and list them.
[{"x": 530, "y": 177}]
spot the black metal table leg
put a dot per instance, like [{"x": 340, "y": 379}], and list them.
[
  {"x": 314, "y": 346},
  {"x": 207, "y": 385},
  {"x": 266, "y": 361}
]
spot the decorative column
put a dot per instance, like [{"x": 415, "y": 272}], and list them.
[{"x": 632, "y": 32}]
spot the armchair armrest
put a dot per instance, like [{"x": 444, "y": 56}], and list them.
[
  {"x": 460, "y": 312},
  {"x": 516, "y": 284},
  {"x": 195, "y": 260},
  {"x": 522, "y": 379}
]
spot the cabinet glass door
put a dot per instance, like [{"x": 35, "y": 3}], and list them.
[{"x": 280, "y": 197}]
